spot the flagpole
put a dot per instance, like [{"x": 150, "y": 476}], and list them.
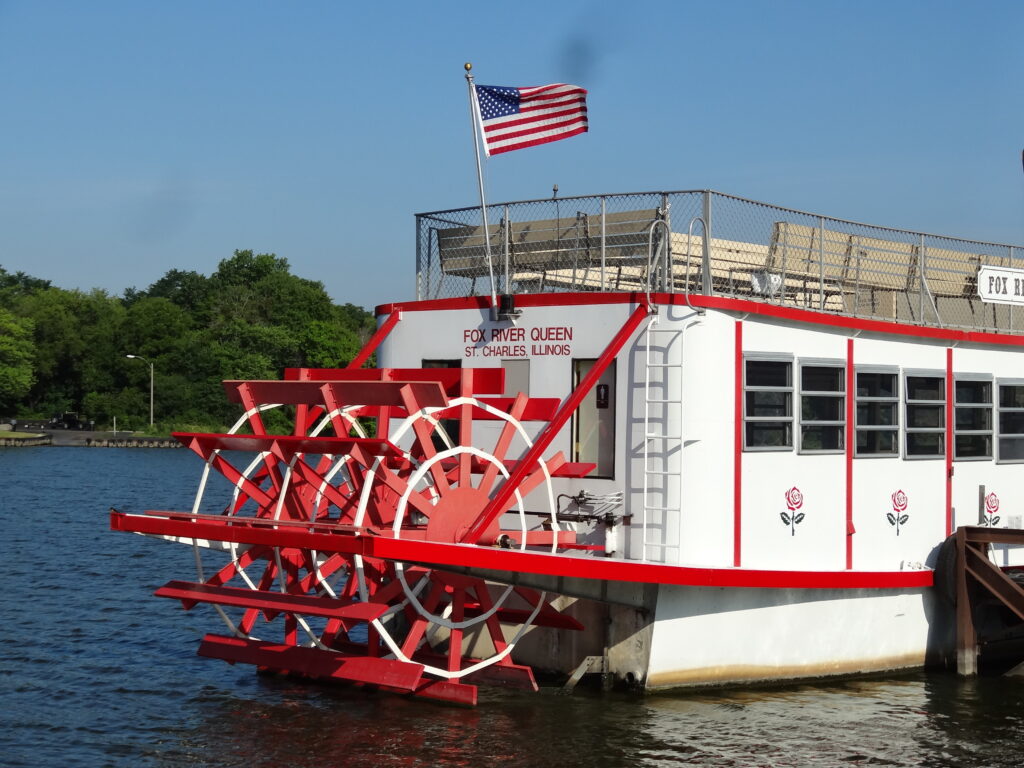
[{"x": 474, "y": 112}]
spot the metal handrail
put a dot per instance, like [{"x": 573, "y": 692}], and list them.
[
  {"x": 686, "y": 277},
  {"x": 652, "y": 258}
]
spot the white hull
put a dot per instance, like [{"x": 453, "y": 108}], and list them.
[{"x": 707, "y": 636}]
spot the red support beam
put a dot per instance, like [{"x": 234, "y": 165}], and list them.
[
  {"x": 501, "y": 499},
  {"x": 371, "y": 346}
]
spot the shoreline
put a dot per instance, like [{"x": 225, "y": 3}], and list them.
[{"x": 62, "y": 438}]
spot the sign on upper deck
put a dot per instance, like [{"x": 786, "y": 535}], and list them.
[{"x": 999, "y": 285}]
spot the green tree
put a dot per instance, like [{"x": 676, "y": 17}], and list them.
[
  {"x": 16, "y": 353},
  {"x": 329, "y": 344},
  {"x": 250, "y": 319},
  {"x": 19, "y": 284},
  {"x": 187, "y": 289},
  {"x": 59, "y": 348}
]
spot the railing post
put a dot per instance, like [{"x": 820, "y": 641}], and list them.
[
  {"x": 602, "y": 241},
  {"x": 508, "y": 226},
  {"x": 419, "y": 259},
  {"x": 821, "y": 263},
  {"x": 1010, "y": 307},
  {"x": 706, "y": 285},
  {"x": 920, "y": 279},
  {"x": 855, "y": 247},
  {"x": 666, "y": 277}
]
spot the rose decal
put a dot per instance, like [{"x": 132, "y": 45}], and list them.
[
  {"x": 899, "y": 501},
  {"x": 897, "y": 517},
  {"x": 794, "y": 500},
  {"x": 991, "y": 507}
]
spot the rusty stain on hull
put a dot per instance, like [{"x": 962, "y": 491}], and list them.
[{"x": 743, "y": 673}]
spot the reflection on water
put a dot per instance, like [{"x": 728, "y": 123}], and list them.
[
  {"x": 94, "y": 671},
  {"x": 916, "y": 721}
]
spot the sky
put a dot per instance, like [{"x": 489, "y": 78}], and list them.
[{"x": 139, "y": 137}]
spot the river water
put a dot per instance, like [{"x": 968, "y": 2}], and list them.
[{"x": 96, "y": 672}]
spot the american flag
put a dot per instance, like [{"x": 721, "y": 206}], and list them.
[{"x": 516, "y": 118}]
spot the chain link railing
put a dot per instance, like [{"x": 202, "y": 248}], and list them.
[{"x": 717, "y": 244}]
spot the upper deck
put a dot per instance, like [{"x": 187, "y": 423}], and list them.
[{"x": 718, "y": 245}]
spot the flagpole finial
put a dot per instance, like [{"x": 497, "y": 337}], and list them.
[{"x": 468, "y": 66}]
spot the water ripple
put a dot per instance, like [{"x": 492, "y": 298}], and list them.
[{"x": 94, "y": 671}]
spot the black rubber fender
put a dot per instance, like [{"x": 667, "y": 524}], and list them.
[{"x": 945, "y": 571}]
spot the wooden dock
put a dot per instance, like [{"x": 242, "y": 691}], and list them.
[{"x": 989, "y": 601}]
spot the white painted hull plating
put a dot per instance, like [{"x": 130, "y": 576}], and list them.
[{"x": 718, "y": 636}]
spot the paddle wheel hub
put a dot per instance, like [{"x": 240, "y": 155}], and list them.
[{"x": 456, "y": 512}]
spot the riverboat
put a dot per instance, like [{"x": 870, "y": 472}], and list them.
[{"x": 677, "y": 439}]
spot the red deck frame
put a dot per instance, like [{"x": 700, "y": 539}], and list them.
[{"x": 490, "y": 559}]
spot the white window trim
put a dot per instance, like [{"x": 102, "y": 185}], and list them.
[
  {"x": 907, "y": 403},
  {"x": 791, "y": 389},
  {"x": 994, "y": 392},
  {"x": 998, "y": 425},
  {"x": 857, "y": 399},
  {"x": 798, "y": 405}
]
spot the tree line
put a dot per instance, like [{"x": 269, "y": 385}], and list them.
[{"x": 65, "y": 350}]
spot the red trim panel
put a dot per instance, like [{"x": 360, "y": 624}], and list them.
[
  {"x": 745, "y": 306},
  {"x": 486, "y": 381},
  {"x": 514, "y": 561}
]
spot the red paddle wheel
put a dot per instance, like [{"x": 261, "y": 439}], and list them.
[{"x": 341, "y": 614}]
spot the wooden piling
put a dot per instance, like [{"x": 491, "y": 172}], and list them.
[{"x": 977, "y": 578}]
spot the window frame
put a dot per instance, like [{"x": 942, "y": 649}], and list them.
[
  {"x": 574, "y": 423},
  {"x": 839, "y": 395},
  {"x": 991, "y": 406},
  {"x": 890, "y": 370},
  {"x": 790, "y": 390},
  {"x": 908, "y": 404},
  {"x": 998, "y": 426}
]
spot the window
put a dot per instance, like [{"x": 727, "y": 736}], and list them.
[
  {"x": 768, "y": 405},
  {"x": 1011, "y": 422},
  {"x": 822, "y": 408},
  {"x": 926, "y": 415},
  {"x": 972, "y": 419},
  {"x": 877, "y": 421},
  {"x": 593, "y": 424}
]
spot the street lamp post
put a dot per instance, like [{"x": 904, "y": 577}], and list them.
[{"x": 140, "y": 357}]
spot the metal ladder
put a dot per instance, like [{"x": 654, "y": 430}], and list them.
[{"x": 669, "y": 446}]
